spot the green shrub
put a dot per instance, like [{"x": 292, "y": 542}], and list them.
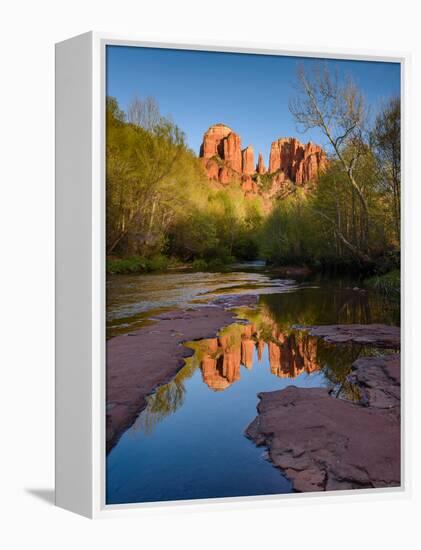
[
  {"x": 389, "y": 284},
  {"x": 137, "y": 264},
  {"x": 157, "y": 263},
  {"x": 199, "y": 265},
  {"x": 219, "y": 264}
]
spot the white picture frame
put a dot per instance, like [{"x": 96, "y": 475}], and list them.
[{"x": 80, "y": 273}]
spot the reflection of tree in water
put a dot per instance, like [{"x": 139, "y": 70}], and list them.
[
  {"x": 166, "y": 400},
  {"x": 291, "y": 352},
  {"x": 318, "y": 306}
]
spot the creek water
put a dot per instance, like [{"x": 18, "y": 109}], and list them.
[{"x": 189, "y": 442}]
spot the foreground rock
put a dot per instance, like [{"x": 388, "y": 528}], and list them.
[
  {"x": 383, "y": 336},
  {"x": 378, "y": 380},
  {"x": 323, "y": 443},
  {"x": 140, "y": 361}
]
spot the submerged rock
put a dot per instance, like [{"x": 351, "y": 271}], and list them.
[
  {"x": 383, "y": 336},
  {"x": 323, "y": 443}
]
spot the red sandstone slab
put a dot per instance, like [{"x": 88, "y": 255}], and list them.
[
  {"x": 324, "y": 443},
  {"x": 138, "y": 362},
  {"x": 384, "y": 336}
]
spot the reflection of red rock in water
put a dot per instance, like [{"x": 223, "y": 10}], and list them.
[
  {"x": 248, "y": 160},
  {"x": 247, "y": 350},
  {"x": 247, "y": 346},
  {"x": 213, "y": 141},
  {"x": 222, "y": 357},
  {"x": 260, "y": 168},
  {"x": 220, "y": 363},
  {"x": 260, "y": 349},
  {"x": 213, "y": 376},
  {"x": 290, "y": 357}
]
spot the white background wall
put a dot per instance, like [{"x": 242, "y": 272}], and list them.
[{"x": 28, "y": 30}]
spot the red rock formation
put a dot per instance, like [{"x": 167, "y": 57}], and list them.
[
  {"x": 249, "y": 186},
  {"x": 221, "y": 142},
  {"x": 212, "y": 145},
  {"x": 248, "y": 160},
  {"x": 232, "y": 151},
  {"x": 314, "y": 162},
  {"x": 260, "y": 168},
  {"x": 225, "y": 175},
  {"x": 290, "y": 160},
  {"x": 299, "y": 163}
]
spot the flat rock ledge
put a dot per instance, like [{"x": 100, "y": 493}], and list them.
[
  {"x": 323, "y": 443},
  {"x": 382, "y": 336},
  {"x": 140, "y": 361}
]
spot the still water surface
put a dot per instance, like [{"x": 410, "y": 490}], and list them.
[{"x": 189, "y": 442}]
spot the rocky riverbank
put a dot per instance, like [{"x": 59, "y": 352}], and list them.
[
  {"x": 140, "y": 361},
  {"x": 326, "y": 443}
]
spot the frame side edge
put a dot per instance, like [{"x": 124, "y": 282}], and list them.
[{"x": 73, "y": 360}]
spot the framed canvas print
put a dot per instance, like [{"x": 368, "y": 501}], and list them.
[{"x": 228, "y": 312}]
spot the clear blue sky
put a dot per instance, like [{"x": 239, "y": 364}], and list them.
[{"x": 249, "y": 93}]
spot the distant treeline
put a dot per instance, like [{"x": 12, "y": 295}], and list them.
[
  {"x": 161, "y": 207},
  {"x": 159, "y": 201}
]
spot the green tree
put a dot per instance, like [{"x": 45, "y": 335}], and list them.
[
  {"x": 386, "y": 140},
  {"x": 337, "y": 109}
]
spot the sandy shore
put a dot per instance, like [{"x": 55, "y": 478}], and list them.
[{"x": 139, "y": 362}]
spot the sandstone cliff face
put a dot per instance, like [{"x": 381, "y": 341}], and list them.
[
  {"x": 290, "y": 161},
  {"x": 248, "y": 161},
  {"x": 232, "y": 151},
  {"x": 220, "y": 143},
  {"x": 297, "y": 162},
  {"x": 260, "y": 168},
  {"x": 213, "y": 141}
]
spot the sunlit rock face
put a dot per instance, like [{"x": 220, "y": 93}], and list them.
[
  {"x": 248, "y": 160},
  {"x": 260, "y": 168},
  {"x": 221, "y": 153},
  {"x": 297, "y": 162},
  {"x": 290, "y": 161},
  {"x": 232, "y": 151},
  {"x": 223, "y": 158},
  {"x": 213, "y": 140},
  {"x": 249, "y": 186}
]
